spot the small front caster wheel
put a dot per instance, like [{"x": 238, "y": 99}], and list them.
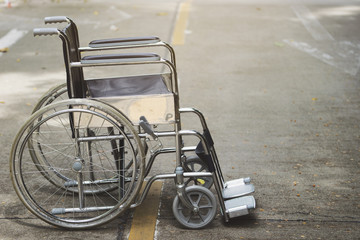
[
  {"x": 204, "y": 210},
  {"x": 195, "y": 164}
]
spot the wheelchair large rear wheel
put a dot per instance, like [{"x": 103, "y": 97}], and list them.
[
  {"x": 89, "y": 166},
  {"x": 54, "y": 94}
]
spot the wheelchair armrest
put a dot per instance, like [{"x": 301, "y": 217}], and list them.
[
  {"x": 116, "y": 58},
  {"x": 113, "y": 42}
]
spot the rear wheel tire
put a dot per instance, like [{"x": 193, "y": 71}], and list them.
[
  {"x": 54, "y": 94},
  {"x": 89, "y": 163}
]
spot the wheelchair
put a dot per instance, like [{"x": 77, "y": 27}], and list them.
[{"x": 82, "y": 157}]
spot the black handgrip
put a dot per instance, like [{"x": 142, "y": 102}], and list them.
[
  {"x": 56, "y": 19},
  {"x": 45, "y": 31}
]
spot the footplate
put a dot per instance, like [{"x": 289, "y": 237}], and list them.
[
  {"x": 237, "y": 188},
  {"x": 239, "y": 206}
]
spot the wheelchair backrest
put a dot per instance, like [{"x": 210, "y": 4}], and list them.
[{"x": 75, "y": 76}]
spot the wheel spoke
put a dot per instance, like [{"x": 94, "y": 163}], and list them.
[
  {"x": 195, "y": 164},
  {"x": 187, "y": 181},
  {"x": 199, "y": 198},
  {"x": 202, "y": 169},
  {"x": 206, "y": 206},
  {"x": 202, "y": 219},
  {"x": 72, "y": 183},
  {"x": 204, "y": 200},
  {"x": 192, "y": 167},
  {"x": 189, "y": 218}
]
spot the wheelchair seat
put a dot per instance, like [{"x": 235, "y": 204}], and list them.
[{"x": 126, "y": 86}]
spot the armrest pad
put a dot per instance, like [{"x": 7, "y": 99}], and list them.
[
  {"x": 123, "y": 41},
  {"x": 111, "y": 58}
]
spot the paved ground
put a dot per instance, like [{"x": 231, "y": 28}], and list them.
[{"x": 278, "y": 82}]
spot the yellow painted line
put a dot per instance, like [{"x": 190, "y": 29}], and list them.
[
  {"x": 178, "y": 37},
  {"x": 145, "y": 216}
]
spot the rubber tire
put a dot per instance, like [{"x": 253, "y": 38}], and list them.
[
  {"x": 31, "y": 191},
  {"x": 202, "y": 221}
]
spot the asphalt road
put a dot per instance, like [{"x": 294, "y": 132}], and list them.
[{"x": 278, "y": 82}]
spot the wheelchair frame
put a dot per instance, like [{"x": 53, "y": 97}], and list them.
[{"x": 233, "y": 196}]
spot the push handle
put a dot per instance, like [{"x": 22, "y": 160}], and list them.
[
  {"x": 45, "y": 31},
  {"x": 56, "y": 19}
]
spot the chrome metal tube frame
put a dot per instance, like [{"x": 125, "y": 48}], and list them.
[
  {"x": 174, "y": 83},
  {"x": 120, "y": 137},
  {"x": 180, "y": 190},
  {"x": 198, "y": 135},
  {"x": 198, "y": 113},
  {"x": 59, "y": 211},
  {"x": 158, "y": 134},
  {"x": 207, "y": 150},
  {"x": 167, "y": 176},
  {"x": 219, "y": 183},
  {"x": 60, "y": 19},
  {"x": 158, "y": 44},
  {"x": 74, "y": 183},
  {"x": 217, "y": 178},
  {"x": 169, "y": 64},
  {"x": 174, "y": 86},
  {"x": 205, "y": 128},
  {"x": 65, "y": 40},
  {"x": 162, "y": 151}
]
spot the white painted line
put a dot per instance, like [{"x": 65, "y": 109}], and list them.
[
  {"x": 310, "y": 22},
  {"x": 343, "y": 55},
  {"x": 11, "y": 38},
  {"x": 304, "y": 47}
]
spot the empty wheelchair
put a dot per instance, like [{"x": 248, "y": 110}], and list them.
[{"x": 80, "y": 162}]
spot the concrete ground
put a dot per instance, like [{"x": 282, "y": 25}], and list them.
[{"x": 278, "y": 82}]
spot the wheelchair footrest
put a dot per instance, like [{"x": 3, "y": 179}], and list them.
[
  {"x": 237, "y": 188},
  {"x": 239, "y": 206}
]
